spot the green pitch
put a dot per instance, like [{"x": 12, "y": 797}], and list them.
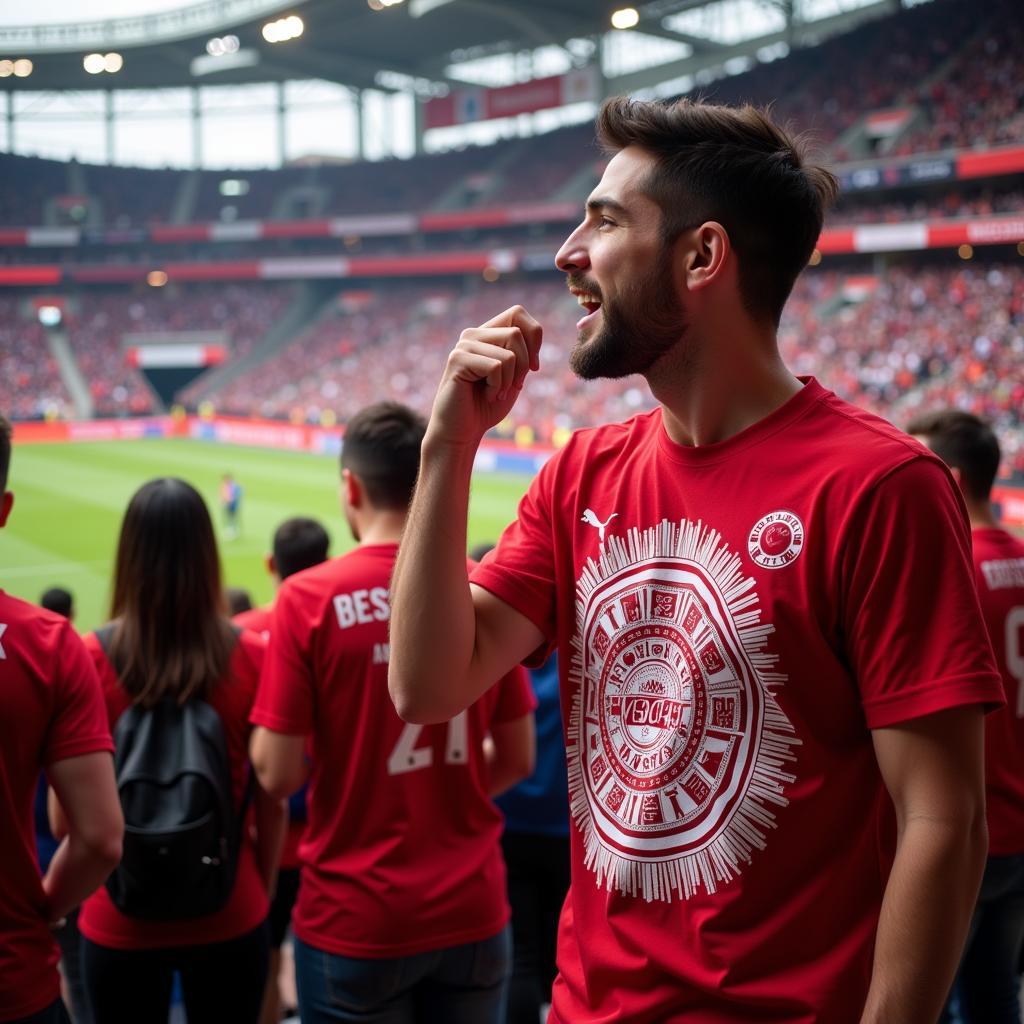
[{"x": 70, "y": 498}]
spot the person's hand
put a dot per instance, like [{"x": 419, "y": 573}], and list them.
[{"x": 483, "y": 377}]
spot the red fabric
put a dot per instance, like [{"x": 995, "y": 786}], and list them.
[
  {"x": 755, "y": 608},
  {"x": 232, "y": 698},
  {"x": 256, "y": 620},
  {"x": 52, "y": 710},
  {"x": 999, "y": 565},
  {"x": 401, "y": 852}
]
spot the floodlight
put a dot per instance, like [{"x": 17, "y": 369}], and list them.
[
  {"x": 94, "y": 63},
  {"x": 625, "y": 17},
  {"x": 156, "y": 278},
  {"x": 22, "y": 68},
  {"x": 49, "y": 316},
  {"x": 6, "y": 68},
  {"x": 113, "y": 62}
]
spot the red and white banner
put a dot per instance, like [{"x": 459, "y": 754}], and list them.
[{"x": 464, "y": 106}]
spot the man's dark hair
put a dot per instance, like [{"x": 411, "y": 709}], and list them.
[
  {"x": 58, "y": 600},
  {"x": 963, "y": 442},
  {"x": 382, "y": 448},
  {"x": 5, "y": 452},
  {"x": 732, "y": 165},
  {"x": 298, "y": 544},
  {"x": 238, "y": 600}
]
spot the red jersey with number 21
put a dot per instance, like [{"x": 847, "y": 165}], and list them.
[
  {"x": 999, "y": 563},
  {"x": 733, "y": 620},
  {"x": 401, "y": 852}
]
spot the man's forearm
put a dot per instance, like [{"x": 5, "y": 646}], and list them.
[
  {"x": 75, "y": 872},
  {"x": 431, "y": 604},
  {"x": 924, "y": 920}
]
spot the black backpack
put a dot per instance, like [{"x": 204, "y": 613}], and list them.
[{"x": 182, "y": 835}]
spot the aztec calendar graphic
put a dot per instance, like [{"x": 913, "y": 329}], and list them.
[{"x": 677, "y": 748}]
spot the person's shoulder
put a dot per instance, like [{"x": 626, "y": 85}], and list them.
[
  {"x": 860, "y": 442},
  {"x": 996, "y": 543},
  {"x": 318, "y": 584},
  {"x": 28, "y": 627}
]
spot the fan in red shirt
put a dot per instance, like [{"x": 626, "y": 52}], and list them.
[
  {"x": 401, "y": 908},
  {"x": 298, "y": 543},
  {"x": 52, "y": 719},
  {"x": 762, "y": 602},
  {"x": 170, "y": 643},
  {"x": 989, "y": 982}
]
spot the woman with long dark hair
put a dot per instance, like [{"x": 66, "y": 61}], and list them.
[{"x": 169, "y": 656}]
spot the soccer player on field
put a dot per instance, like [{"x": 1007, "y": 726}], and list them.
[
  {"x": 53, "y": 718},
  {"x": 989, "y": 977},
  {"x": 763, "y": 605},
  {"x": 402, "y": 913}
]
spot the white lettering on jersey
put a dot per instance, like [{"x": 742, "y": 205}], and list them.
[
  {"x": 362, "y": 607},
  {"x": 3, "y": 653},
  {"x": 1002, "y": 574},
  {"x": 381, "y": 654},
  {"x": 678, "y": 750}
]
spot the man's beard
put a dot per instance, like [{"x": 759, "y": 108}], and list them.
[{"x": 642, "y": 325}]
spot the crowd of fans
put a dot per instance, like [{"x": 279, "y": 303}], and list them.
[
  {"x": 98, "y": 324},
  {"x": 30, "y": 382},
  {"x": 895, "y": 344}
]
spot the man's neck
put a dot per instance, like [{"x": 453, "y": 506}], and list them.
[
  {"x": 712, "y": 388},
  {"x": 981, "y": 516},
  {"x": 383, "y": 527}
]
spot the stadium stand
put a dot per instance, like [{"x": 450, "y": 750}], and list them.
[{"x": 30, "y": 382}]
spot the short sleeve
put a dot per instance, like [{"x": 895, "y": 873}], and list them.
[
  {"x": 78, "y": 723},
  {"x": 285, "y": 698},
  {"x": 515, "y": 696},
  {"x": 521, "y": 569},
  {"x": 914, "y": 632}
]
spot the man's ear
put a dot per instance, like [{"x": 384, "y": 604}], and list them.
[
  {"x": 706, "y": 252},
  {"x": 352, "y": 493},
  {"x": 6, "y": 504},
  {"x": 270, "y": 564},
  {"x": 958, "y": 477}
]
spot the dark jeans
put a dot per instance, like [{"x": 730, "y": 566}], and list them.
[
  {"x": 987, "y": 986},
  {"x": 70, "y": 940},
  {"x": 989, "y": 980},
  {"x": 459, "y": 985},
  {"x": 538, "y": 879},
  {"x": 55, "y": 1013},
  {"x": 220, "y": 981}
]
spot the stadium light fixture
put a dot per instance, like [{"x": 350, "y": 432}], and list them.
[
  {"x": 625, "y": 17},
  {"x": 93, "y": 63},
  {"x": 6, "y": 68},
  {"x": 380, "y": 5},
  {"x": 113, "y": 62},
  {"x": 965, "y": 251},
  {"x": 222, "y": 45},
  {"x": 283, "y": 29},
  {"x": 49, "y": 316},
  {"x": 156, "y": 278},
  {"x": 22, "y": 68},
  {"x": 1020, "y": 248}
]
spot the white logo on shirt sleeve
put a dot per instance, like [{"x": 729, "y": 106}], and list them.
[{"x": 3, "y": 653}]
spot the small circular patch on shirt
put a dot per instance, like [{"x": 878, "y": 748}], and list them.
[{"x": 776, "y": 539}]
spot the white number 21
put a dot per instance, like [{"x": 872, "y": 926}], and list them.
[{"x": 406, "y": 757}]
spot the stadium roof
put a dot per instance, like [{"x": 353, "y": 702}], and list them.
[{"x": 344, "y": 41}]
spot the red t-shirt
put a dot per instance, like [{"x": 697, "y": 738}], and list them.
[
  {"x": 732, "y": 621},
  {"x": 999, "y": 565},
  {"x": 401, "y": 852},
  {"x": 52, "y": 710},
  {"x": 258, "y": 621},
  {"x": 232, "y": 698}
]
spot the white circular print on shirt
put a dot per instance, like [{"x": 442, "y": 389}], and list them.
[{"x": 677, "y": 747}]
